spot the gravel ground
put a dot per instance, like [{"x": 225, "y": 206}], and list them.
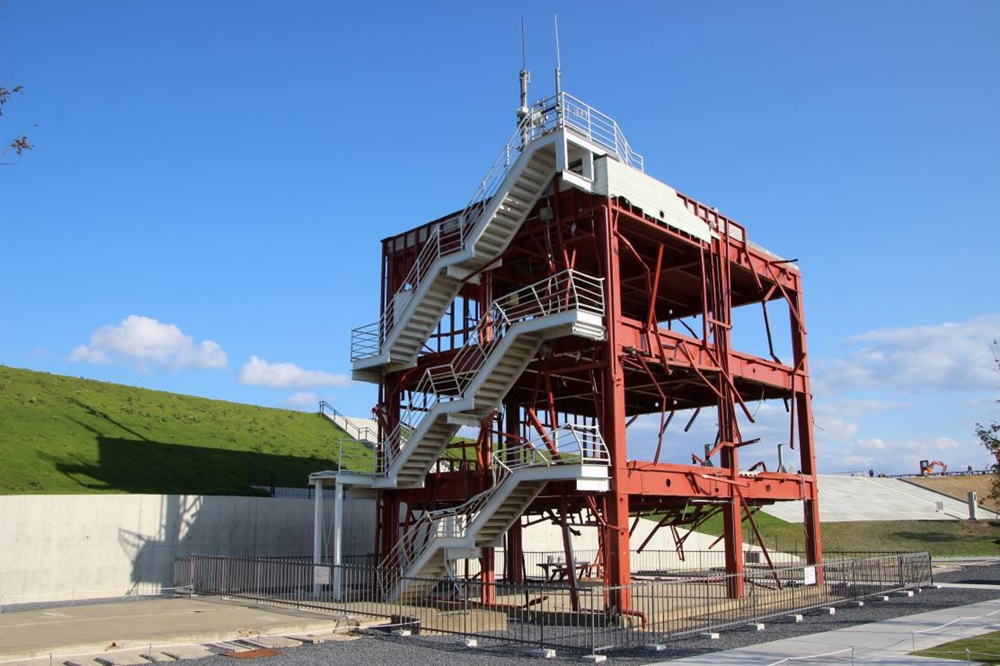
[{"x": 377, "y": 649}]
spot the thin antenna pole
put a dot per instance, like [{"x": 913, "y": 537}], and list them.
[
  {"x": 525, "y": 77},
  {"x": 524, "y": 56},
  {"x": 555, "y": 19}
]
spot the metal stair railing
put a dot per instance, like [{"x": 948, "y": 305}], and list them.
[
  {"x": 360, "y": 433},
  {"x": 566, "y": 291},
  {"x": 446, "y": 238},
  {"x": 450, "y": 236},
  {"x": 566, "y": 445}
]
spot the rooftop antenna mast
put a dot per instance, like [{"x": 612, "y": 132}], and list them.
[
  {"x": 555, "y": 19},
  {"x": 522, "y": 110}
]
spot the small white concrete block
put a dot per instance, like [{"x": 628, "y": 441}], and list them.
[
  {"x": 402, "y": 632},
  {"x": 795, "y": 617},
  {"x": 232, "y": 646},
  {"x": 308, "y": 639},
  {"x": 468, "y": 642},
  {"x": 756, "y": 626},
  {"x": 123, "y": 658},
  {"x": 904, "y": 593},
  {"x": 273, "y": 642},
  {"x": 654, "y": 647},
  {"x": 828, "y": 610},
  {"x": 858, "y": 603},
  {"x": 884, "y": 597},
  {"x": 594, "y": 658},
  {"x": 543, "y": 653},
  {"x": 711, "y": 635},
  {"x": 188, "y": 652}
]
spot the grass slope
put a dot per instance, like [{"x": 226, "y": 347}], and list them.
[
  {"x": 983, "y": 649},
  {"x": 67, "y": 435},
  {"x": 943, "y": 538},
  {"x": 960, "y": 486}
]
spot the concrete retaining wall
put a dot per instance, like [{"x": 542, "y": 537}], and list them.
[
  {"x": 66, "y": 547},
  {"x": 56, "y": 547}
]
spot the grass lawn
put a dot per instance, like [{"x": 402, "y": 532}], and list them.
[
  {"x": 68, "y": 435},
  {"x": 983, "y": 649},
  {"x": 943, "y": 538}
]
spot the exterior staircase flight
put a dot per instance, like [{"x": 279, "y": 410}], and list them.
[
  {"x": 455, "y": 249},
  {"x": 458, "y": 247},
  {"x": 422, "y": 558},
  {"x": 474, "y": 384}
]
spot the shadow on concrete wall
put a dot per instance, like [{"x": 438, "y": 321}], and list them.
[
  {"x": 196, "y": 511},
  {"x": 146, "y": 466}
]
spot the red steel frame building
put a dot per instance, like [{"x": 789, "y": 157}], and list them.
[{"x": 663, "y": 260}]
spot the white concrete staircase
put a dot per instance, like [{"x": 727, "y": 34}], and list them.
[
  {"x": 469, "y": 388},
  {"x": 454, "y": 250},
  {"x": 422, "y": 558}
]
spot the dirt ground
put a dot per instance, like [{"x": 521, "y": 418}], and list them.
[{"x": 960, "y": 486}]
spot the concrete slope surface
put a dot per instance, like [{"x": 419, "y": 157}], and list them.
[{"x": 860, "y": 498}]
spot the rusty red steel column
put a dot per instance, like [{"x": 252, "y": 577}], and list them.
[
  {"x": 487, "y": 564},
  {"x": 807, "y": 442},
  {"x": 514, "y": 559},
  {"x": 618, "y": 573},
  {"x": 719, "y": 315}
]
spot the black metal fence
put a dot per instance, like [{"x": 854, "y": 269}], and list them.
[{"x": 589, "y": 617}]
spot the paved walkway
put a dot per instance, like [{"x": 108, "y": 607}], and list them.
[
  {"x": 887, "y": 642},
  {"x": 161, "y": 623}
]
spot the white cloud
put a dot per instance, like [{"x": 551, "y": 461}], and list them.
[
  {"x": 899, "y": 456},
  {"x": 836, "y": 421},
  {"x": 258, "y": 372},
  {"x": 834, "y": 428},
  {"x": 144, "y": 342},
  {"x": 302, "y": 400},
  {"x": 951, "y": 357}
]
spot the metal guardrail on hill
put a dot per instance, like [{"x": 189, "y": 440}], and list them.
[{"x": 360, "y": 433}]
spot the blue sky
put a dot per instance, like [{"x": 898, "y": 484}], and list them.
[{"x": 202, "y": 209}]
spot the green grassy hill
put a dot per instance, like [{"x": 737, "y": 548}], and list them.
[{"x": 67, "y": 435}]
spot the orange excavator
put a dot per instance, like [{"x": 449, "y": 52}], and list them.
[{"x": 927, "y": 467}]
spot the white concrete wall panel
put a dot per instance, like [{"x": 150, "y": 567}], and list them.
[{"x": 55, "y": 547}]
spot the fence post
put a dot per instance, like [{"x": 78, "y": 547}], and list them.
[
  {"x": 708, "y": 603},
  {"x": 593, "y": 620}
]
